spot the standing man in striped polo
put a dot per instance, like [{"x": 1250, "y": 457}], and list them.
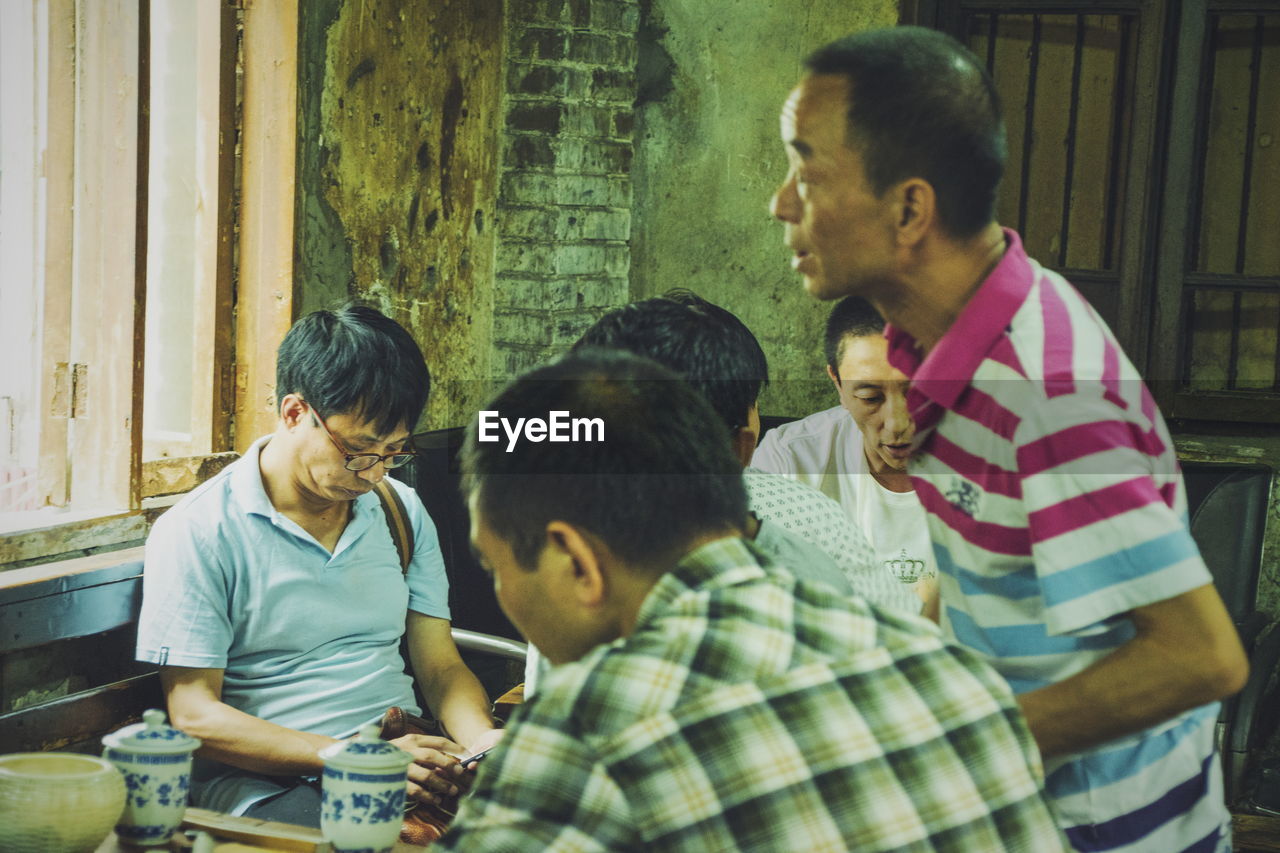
[{"x": 1055, "y": 503}]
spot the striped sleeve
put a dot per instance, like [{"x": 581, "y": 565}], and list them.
[{"x": 1100, "y": 489}]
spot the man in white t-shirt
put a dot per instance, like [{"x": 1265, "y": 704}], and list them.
[{"x": 856, "y": 453}]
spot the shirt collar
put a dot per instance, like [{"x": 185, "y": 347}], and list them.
[
  {"x": 246, "y": 482},
  {"x": 251, "y": 495},
  {"x": 948, "y": 369},
  {"x": 722, "y": 563}
]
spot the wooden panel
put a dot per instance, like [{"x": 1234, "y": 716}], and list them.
[
  {"x": 1046, "y": 176},
  {"x": 64, "y": 575},
  {"x": 1262, "y": 252},
  {"x": 266, "y": 289},
  {"x": 1211, "y": 313},
  {"x": 59, "y": 155},
  {"x": 80, "y": 717},
  {"x": 1224, "y": 156},
  {"x": 1100, "y": 78},
  {"x": 1259, "y": 319},
  {"x": 1258, "y": 833},
  {"x": 175, "y": 476},
  {"x": 1012, "y": 70},
  {"x": 76, "y": 613},
  {"x": 104, "y": 302}
]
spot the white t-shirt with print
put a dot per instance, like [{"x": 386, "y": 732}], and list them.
[{"x": 824, "y": 450}]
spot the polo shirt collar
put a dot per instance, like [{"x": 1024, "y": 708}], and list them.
[
  {"x": 251, "y": 496},
  {"x": 246, "y": 482},
  {"x": 949, "y": 368}
]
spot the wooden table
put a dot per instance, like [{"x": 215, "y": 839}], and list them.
[{"x": 240, "y": 834}]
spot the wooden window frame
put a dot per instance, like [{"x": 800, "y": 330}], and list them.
[
  {"x": 255, "y": 248},
  {"x": 1182, "y": 180},
  {"x": 1134, "y": 256},
  {"x": 1162, "y": 193}
]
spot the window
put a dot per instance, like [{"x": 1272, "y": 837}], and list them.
[
  {"x": 1147, "y": 170},
  {"x": 1220, "y": 279},
  {"x": 132, "y": 132}
]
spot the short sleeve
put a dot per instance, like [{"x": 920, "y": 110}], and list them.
[
  {"x": 185, "y": 618},
  {"x": 1103, "y": 494}
]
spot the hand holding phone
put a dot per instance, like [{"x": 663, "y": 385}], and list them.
[{"x": 474, "y": 759}]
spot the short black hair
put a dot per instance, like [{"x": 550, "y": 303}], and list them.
[
  {"x": 354, "y": 361},
  {"x": 710, "y": 347},
  {"x": 921, "y": 105},
  {"x": 659, "y": 479},
  {"x": 853, "y": 317}
]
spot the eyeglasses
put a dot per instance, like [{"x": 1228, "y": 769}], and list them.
[{"x": 364, "y": 461}]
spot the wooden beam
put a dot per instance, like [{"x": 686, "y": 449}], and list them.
[
  {"x": 103, "y": 304},
  {"x": 224, "y": 290},
  {"x": 174, "y": 476},
  {"x": 95, "y": 532},
  {"x": 264, "y": 309},
  {"x": 59, "y": 156},
  {"x": 65, "y": 575}
]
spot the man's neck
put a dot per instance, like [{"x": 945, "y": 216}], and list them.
[
  {"x": 940, "y": 281},
  {"x": 286, "y": 492}
]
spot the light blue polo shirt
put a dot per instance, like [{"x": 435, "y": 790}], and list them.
[{"x": 306, "y": 639}]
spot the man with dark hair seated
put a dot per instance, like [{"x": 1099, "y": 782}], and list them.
[
  {"x": 856, "y": 452},
  {"x": 718, "y": 355},
  {"x": 273, "y": 597},
  {"x": 704, "y": 698}
]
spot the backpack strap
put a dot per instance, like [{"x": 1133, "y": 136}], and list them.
[{"x": 397, "y": 521}]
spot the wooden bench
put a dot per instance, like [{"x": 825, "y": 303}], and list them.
[
  {"x": 95, "y": 606},
  {"x": 92, "y": 600}
]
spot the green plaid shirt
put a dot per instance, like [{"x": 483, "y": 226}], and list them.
[{"x": 751, "y": 711}]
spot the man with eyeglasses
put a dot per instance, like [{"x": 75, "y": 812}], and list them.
[{"x": 273, "y": 598}]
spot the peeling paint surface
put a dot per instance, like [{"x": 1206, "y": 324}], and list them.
[
  {"x": 400, "y": 126},
  {"x": 708, "y": 159}
]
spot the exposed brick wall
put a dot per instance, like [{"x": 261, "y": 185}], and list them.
[{"x": 564, "y": 201}]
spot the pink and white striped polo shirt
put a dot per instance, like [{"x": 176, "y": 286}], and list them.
[{"x": 1056, "y": 505}]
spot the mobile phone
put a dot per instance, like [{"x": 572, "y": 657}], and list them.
[{"x": 471, "y": 759}]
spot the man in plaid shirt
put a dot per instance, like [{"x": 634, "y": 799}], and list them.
[{"x": 703, "y": 699}]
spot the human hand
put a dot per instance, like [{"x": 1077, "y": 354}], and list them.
[
  {"x": 483, "y": 743},
  {"x": 435, "y": 772},
  {"x": 478, "y": 747}
]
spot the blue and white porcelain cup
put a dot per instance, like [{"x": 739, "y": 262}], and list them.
[
  {"x": 362, "y": 793},
  {"x": 155, "y": 760}
]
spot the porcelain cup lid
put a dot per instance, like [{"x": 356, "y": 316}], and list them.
[
  {"x": 366, "y": 752},
  {"x": 152, "y": 735}
]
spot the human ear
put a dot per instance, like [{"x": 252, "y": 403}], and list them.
[
  {"x": 292, "y": 410},
  {"x": 834, "y": 377},
  {"x": 577, "y": 555},
  {"x": 917, "y": 210}
]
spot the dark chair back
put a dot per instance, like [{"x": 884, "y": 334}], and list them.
[
  {"x": 435, "y": 476},
  {"x": 1228, "y": 508}
]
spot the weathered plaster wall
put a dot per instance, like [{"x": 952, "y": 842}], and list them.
[
  {"x": 713, "y": 76},
  {"x": 399, "y": 107}
]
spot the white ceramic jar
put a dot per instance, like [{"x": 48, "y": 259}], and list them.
[
  {"x": 362, "y": 792},
  {"x": 155, "y": 760},
  {"x": 57, "y": 802}
]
